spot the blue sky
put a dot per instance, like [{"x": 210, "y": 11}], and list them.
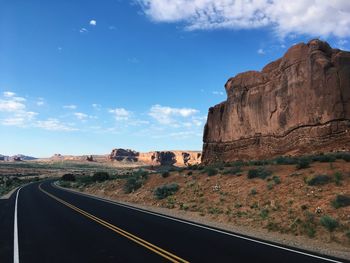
[{"x": 83, "y": 77}]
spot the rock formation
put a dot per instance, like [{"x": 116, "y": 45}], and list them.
[
  {"x": 178, "y": 158},
  {"x": 298, "y": 104}
]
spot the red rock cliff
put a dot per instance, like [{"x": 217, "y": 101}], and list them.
[{"x": 297, "y": 104}]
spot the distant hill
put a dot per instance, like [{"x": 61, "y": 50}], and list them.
[{"x": 17, "y": 157}]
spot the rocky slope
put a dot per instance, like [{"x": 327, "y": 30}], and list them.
[
  {"x": 297, "y": 104},
  {"x": 178, "y": 158}
]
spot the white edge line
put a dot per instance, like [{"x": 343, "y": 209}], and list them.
[
  {"x": 15, "y": 233},
  {"x": 200, "y": 226}
]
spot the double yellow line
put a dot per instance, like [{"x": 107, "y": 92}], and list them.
[{"x": 165, "y": 254}]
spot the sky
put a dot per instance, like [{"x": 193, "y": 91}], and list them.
[{"x": 84, "y": 77}]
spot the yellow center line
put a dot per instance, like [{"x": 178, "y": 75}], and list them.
[{"x": 171, "y": 257}]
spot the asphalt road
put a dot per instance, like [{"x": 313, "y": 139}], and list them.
[{"x": 54, "y": 225}]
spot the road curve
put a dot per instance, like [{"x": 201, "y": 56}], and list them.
[{"x": 56, "y": 225}]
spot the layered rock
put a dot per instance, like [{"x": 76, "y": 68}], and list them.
[
  {"x": 296, "y": 105},
  {"x": 177, "y": 158}
]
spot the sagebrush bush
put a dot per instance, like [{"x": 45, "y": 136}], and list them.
[
  {"x": 211, "y": 171},
  {"x": 303, "y": 163},
  {"x": 338, "y": 177},
  {"x": 165, "y": 174},
  {"x": 68, "y": 177},
  {"x": 341, "y": 201},
  {"x": 286, "y": 160},
  {"x": 233, "y": 171},
  {"x": 135, "y": 181},
  {"x": 100, "y": 176},
  {"x": 164, "y": 191},
  {"x": 276, "y": 179},
  {"x": 329, "y": 223},
  {"x": 259, "y": 173},
  {"x": 319, "y": 180},
  {"x": 132, "y": 184}
]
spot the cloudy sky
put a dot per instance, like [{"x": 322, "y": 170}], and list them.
[{"x": 81, "y": 77}]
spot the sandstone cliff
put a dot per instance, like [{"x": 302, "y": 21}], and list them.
[
  {"x": 178, "y": 158},
  {"x": 298, "y": 104}
]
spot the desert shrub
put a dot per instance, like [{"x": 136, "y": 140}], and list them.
[
  {"x": 346, "y": 157},
  {"x": 135, "y": 181},
  {"x": 215, "y": 210},
  {"x": 68, "y": 177},
  {"x": 211, "y": 171},
  {"x": 329, "y": 223},
  {"x": 132, "y": 184},
  {"x": 165, "y": 174},
  {"x": 190, "y": 173},
  {"x": 319, "y": 180},
  {"x": 166, "y": 190},
  {"x": 192, "y": 167},
  {"x": 303, "y": 207},
  {"x": 238, "y": 163},
  {"x": 309, "y": 224},
  {"x": 269, "y": 186},
  {"x": 276, "y": 179},
  {"x": 286, "y": 160},
  {"x": 341, "y": 201},
  {"x": 264, "y": 213},
  {"x": 338, "y": 178},
  {"x": 84, "y": 180},
  {"x": 259, "y": 162},
  {"x": 253, "y": 191},
  {"x": 326, "y": 158},
  {"x": 309, "y": 229},
  {"x": 100, "y": 176},
  {"x": 259, "y": 173},
  {"x": 64, "y": 183},
  {"x": 303, "y": 163},
  {"x": 233, "y": 171}
]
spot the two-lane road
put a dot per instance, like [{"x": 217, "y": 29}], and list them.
[{"x": 55, "y": 225}]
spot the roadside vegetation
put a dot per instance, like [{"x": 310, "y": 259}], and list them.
[
  {"x": 301, "y": 196},
  {"x": 8, "y": 183}
]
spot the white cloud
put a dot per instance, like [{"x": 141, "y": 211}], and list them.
[
  {"x": 167, "y": 115},
  {"x": 40, "y": 102},
  {"x": 11, "y": 105},
  {"x": 312, "y": 17},
  {"x": 83, "y": 30},
  {"x": 220, "y": 93},
  {"x": 96, "y": 106},
  {"x": 9, "y": 94},
  {"x": 53, "y": 124},
  {"x": 20, "y": 119},
  {"x": 81, "y": 116},
  {"x": 70, "y": 107},
  {"x": 121, "y": 114},
  {"x": 92, "y": 22},
  {"x": 261, "y": 51}
]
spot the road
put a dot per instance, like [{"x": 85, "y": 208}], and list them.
[{"x": 55, "y": 225}]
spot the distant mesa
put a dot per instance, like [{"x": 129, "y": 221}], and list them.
[
  {"x": 16, "y": 158},
  {"x": 177, "y": 158},
  {"x": 297, "y": 105}
]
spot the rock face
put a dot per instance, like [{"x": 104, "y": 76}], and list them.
[
  {"x": 178, "y": 158},
  {"x": 298, "y": 104}
]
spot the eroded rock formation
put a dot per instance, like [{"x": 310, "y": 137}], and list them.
[
  {"x": 178, "y": 158},
  {"x": 298, "y": 104}
]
